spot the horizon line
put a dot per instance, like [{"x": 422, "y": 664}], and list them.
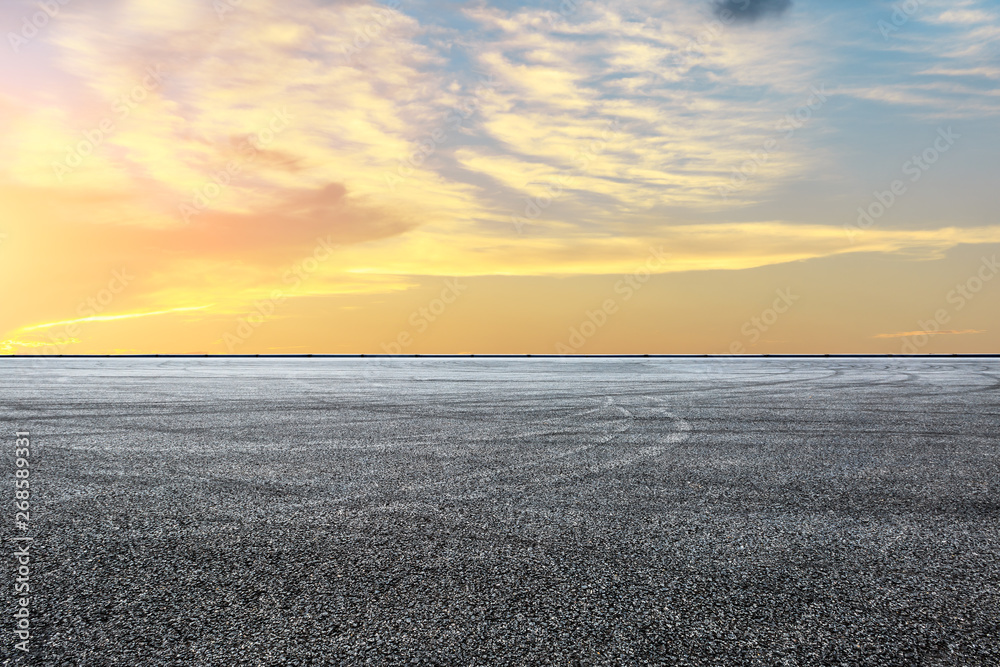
[{"x": 301, "y": 355}]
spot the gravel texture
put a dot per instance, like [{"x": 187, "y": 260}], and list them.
[{"x": 508, "y": 511}]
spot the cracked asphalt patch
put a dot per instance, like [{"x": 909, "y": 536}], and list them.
[{"x": 509, "y": 511}]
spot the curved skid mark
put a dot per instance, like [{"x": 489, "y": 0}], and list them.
[
  {"x": 616, "y": 427},
  {"x": 682, "y": 434},
  {"x": 626, "y": 455},
  {"x": 632, "y": 456},
  {"x": 610, "y": 429}
]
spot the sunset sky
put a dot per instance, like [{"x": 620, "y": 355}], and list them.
[{"x": 265, "y": 176}]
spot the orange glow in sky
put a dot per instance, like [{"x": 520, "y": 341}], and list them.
[{"x": 640, "y": 177}]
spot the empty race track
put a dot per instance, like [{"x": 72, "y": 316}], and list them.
[{"x": 510, "y": 511}]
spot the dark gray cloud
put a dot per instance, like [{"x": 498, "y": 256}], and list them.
[{"x": 749, "y": 11}]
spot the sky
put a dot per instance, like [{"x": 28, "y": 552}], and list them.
[{"x": 574, "y": 177}]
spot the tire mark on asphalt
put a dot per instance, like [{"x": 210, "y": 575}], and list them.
[
  {"x": 609, "y": 431},
  {"x": 626, "y": 456},
  {"x": 495, "y": 473}
]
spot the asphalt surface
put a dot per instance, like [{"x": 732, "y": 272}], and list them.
[{"x": 508, "y": 511}]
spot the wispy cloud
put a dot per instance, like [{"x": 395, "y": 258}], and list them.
[
  {"x": 109, "y": 318},
  {"x": 946, "y": 332},
  {"x": 12, "y": 346}
]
